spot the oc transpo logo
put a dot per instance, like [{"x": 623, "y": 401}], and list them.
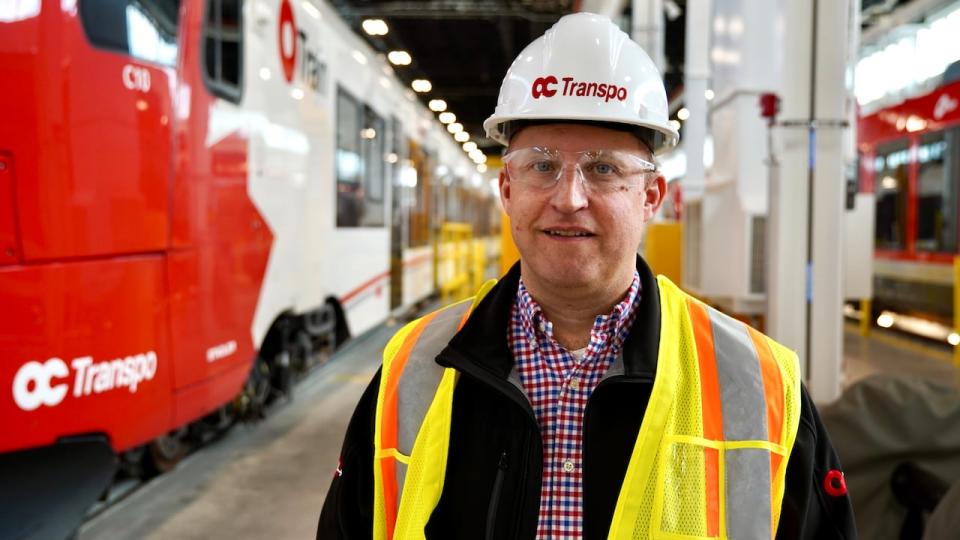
[
  {"x": 944, "y": 106},
  {"x": 288, "y": 40},
  {"x": 47, "y": 383},
  {"x": 546, "y": 87},
  {"x": 296, "y": 53}
]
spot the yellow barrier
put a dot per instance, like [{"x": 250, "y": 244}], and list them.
[
  {"x": 454, "y": 261},
  {"x": 663, "y": 249},
  {"x": 866, "y": 315},
  {"x": 508, "y": 250}
]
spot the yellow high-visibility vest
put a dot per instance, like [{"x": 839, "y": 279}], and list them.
[{"x": 709, "y": 460}]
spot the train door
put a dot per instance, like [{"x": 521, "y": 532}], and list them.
[{"x": 397, "y": 212}]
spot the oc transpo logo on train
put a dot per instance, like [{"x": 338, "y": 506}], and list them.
[
  {"x": 47, "y": 383},
  {"x": 295, "y": 48},
  {"x": 548, "y": 86}
]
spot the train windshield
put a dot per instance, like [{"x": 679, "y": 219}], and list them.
[{"x": 144, "y": 29}]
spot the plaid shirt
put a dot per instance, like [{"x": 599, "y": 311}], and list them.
[{"x": 558, "y": 385}]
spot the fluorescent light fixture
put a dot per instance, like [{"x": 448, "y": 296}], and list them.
[
  {"x": 455, "y": 127},
  {"x": 437, "y": 105},
  {"x": 399, "y": 58},
  {"x": 447, "y": 117},
  {"x": 421, "y": 85},
  {"x": 461, "y": 136},
  {"x": 375, "y": 27}
]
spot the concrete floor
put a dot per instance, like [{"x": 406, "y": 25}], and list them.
[
  {"x": 264, "y": 481},
  {"x": 893, "y": 353}
]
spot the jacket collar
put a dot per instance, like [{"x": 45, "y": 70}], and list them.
[{"x": 483, "y": 339}]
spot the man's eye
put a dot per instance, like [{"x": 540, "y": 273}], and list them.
[
  {"x": 542, "y": 166},
  {"x": 604, "y": 169}
]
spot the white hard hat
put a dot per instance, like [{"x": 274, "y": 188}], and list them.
[{"x": 584, "y": 68}]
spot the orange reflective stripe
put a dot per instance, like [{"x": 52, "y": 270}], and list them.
[
  {"x": 773, "y": 394},
  {"x": 772, "y": 386},
  {"x": 388, "y": 426},
  {"x": 712, "y": 410}
]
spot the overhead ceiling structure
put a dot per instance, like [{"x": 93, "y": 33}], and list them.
[{"x": 463, "y": 48}]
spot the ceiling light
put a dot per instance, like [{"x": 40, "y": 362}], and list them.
[
  {"x": 469, "y": 146},
  {"x": 447, "y": 117},
  {"x": 683, "y": 113},
  {"x": 455, "y": 127},
  {"x": 708, "y": 94},
  {"x": 675, "y": 124},
  {"x": 399, "y": 58},
  {"x": 421, "y": 85},
  {"x": 265, "y": 74},
  {"x": 461, "y": 136},
  {"x": 375, "y": 27},
  {"x": 481, "y": 168},
  {"x": 438, "y": 105},
  {"x": 368, "y": 133}
]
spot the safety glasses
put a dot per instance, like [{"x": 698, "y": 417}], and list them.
[{"x": 599, "y": 170}]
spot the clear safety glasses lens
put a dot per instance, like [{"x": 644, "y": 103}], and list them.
[{"x": 600, "y": 170}]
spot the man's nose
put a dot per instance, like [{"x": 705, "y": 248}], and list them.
[{"x": 569, "y": 195}]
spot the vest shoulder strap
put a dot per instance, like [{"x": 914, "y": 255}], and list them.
[{"x": 411, "y": 383}]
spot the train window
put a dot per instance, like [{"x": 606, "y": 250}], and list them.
[
  {"x": 374, "y": 138},
  {"x": 223, "y": 48},
  {"x": 143, "y": 29},
  {"x": 936, "y": 196},
  {"x": 360, "y": 158},
  {"x": 890, "y": 180}
]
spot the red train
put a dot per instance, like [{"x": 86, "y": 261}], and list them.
[
  {"x": 910, "y": 159},
  {"x": 194, "y": 195}
]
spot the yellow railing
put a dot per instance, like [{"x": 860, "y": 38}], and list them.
[{"x": 454, "y": 260}]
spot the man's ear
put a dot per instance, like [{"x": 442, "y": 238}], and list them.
[
  {"x": 653, "y": 197},
  {"x": 504, "y": 191}
]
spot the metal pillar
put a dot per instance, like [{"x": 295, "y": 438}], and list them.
[
  {"x": 647, "y": 28},
  {"x": 695, "y": 84},
  {"x": 807, "y": 194}
]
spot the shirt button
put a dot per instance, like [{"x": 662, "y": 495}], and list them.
[
  {"x": 574, "y": 383},
  {"x": 568, "y": 466}
]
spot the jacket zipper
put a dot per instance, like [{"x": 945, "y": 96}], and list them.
[
  {"x": 495, "y": 496},
  {"x": 515, "y": 395}
]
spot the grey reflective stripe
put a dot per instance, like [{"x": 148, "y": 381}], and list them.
[
  {"x": 744, "y": 409},
  {"x": 418, "y": 383}
]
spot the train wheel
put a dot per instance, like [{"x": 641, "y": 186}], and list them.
[
  {"x": 252, "y": 401},
  {"x": 164, "y": 452}
]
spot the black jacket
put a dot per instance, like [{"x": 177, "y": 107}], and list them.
[{"x": 494, "y": 466}]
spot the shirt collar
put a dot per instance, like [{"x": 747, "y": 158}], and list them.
[{"x": 615, "y": 324}]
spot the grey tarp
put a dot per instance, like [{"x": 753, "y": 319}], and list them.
[{"x": 882, "y": 421}]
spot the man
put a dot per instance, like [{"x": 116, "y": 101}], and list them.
[{"x": 581, "y": 397}]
